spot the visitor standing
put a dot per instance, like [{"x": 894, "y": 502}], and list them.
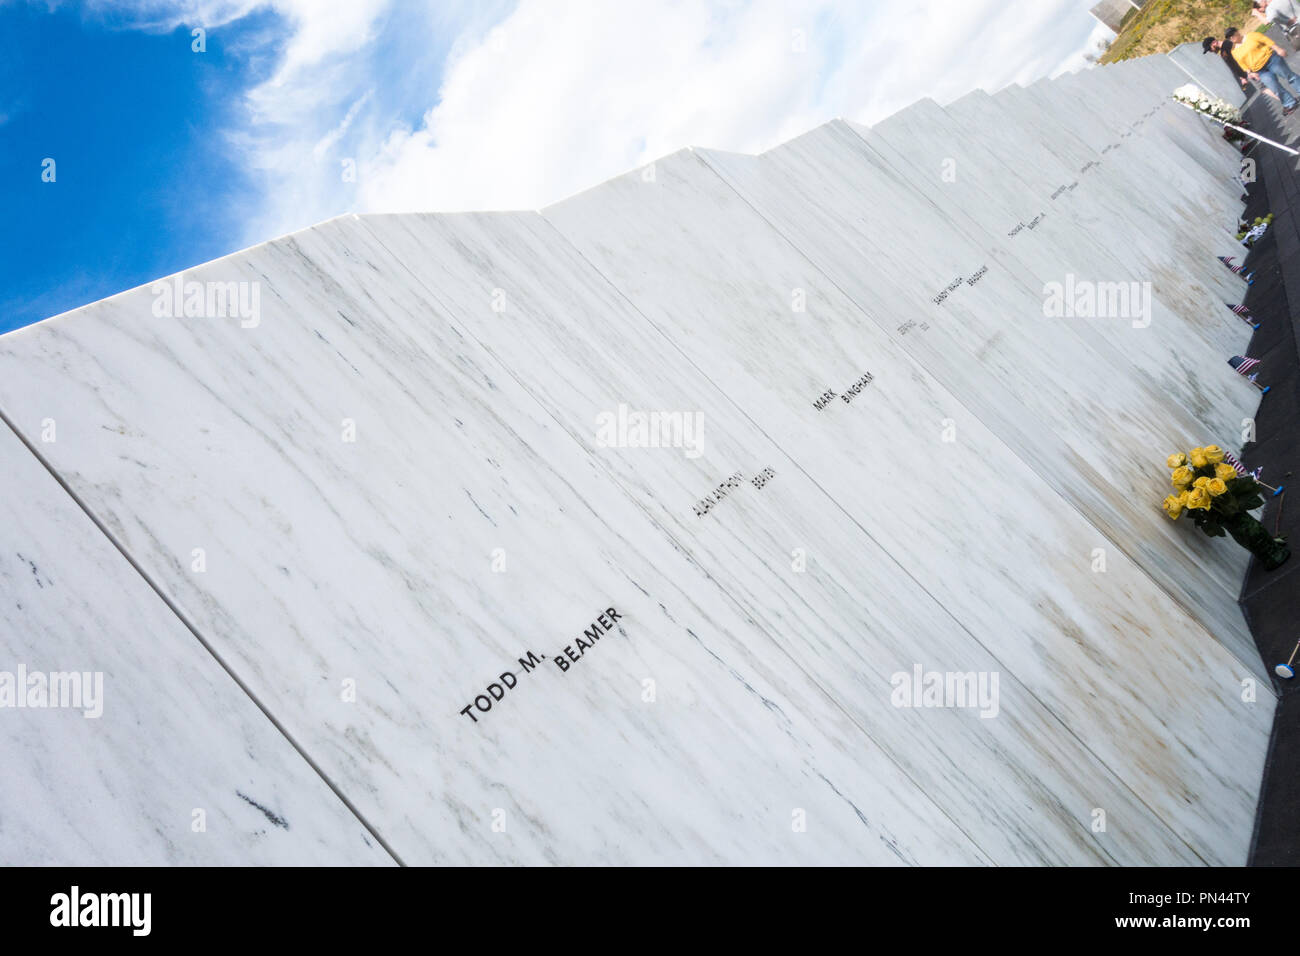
[
  {"x": 1264, "y": 60},
  {"x": 1224, "y": 49}
]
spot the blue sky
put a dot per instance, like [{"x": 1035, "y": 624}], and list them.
[
  {"x": 124, "y": 116},
  {"x": 166, "y": 157}
]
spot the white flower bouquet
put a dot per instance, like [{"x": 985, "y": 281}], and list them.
[
  {"x": 1248, "y": 232},
  {"x": 1213, "y": 107}
]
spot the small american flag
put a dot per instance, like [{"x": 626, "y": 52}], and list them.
[
  {"x": 1227, "y": 261},
  {"x": 1244, "y": 312},
  {"x": 1230, "y": 459},
  {"x": 1258, "y": 474},
  {"x": 1243, "y": 365}
]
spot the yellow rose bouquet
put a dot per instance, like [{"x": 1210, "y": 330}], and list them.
[{"x": 1218, "y": 498}]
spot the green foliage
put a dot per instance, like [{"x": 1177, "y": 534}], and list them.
[
  {"x": 1228, "y": 512},
  {"x": 1162, "y": 25},
  {"x": 1210, "y": 523},
  {"x": 1244, "y": 493}
]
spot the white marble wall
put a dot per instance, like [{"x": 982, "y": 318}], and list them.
[
  {"x": 1056, "y": 410},
  {"x": 166, "y": 761},
  {"x": 1207, "y": 70},
  {"x": 1031, "y": 582},
  {"x": 1117, "y": 98},
  {"x": 398, "y": 486},
  {"x": 839, "y": 620},
  {"x": 371, "y": 562},
  {"x": 1170, "y": 348},
  {"x": 1193, "y": 222},
  {"x": 1029, "y": 140}
]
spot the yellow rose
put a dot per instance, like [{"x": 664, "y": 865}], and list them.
[
  {"x": 1198, "y": 499},
  {"x": 1200, "y": 482},
  {"x": 1197, "y": 458},
  {"x": 1176, "y": 460},
  {"x": 1182, "y": 477},
  {"x": 1213, "y": 454},
  {"x": 1216, "y": 487},
  {"x": 1225, "y": 472},
  {"x": 1173, "y": 506}
]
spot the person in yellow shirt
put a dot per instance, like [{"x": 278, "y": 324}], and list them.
[
  {"x": 1264, "y": 60},
  {"x": 1224, "y": 49}
]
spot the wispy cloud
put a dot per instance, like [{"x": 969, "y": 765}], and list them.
[{"x": 491, "y": 105}]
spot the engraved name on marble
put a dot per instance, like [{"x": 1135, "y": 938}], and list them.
[
  {"x": 954, "y": 284},
  {"x": 603, "y": 624},
  {"x": 854, "y": 390},
  {"x": 497, "y": 692},
  {"x": 717, "y": 495}
]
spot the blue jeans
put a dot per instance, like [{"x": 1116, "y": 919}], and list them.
[{"x": 1275, "y": 71}]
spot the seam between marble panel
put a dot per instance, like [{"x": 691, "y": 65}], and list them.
[{"x": 193, "y": 629}]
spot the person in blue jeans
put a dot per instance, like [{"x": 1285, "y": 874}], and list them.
[{"x": 1265, "y": 61}]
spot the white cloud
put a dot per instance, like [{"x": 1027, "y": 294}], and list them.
[
  {"x": 1092, "y": 46},
  {"x": 567, "y": 93},
  {"x": 331, "y": 139},
  {"x": 530, "y": 102}
]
